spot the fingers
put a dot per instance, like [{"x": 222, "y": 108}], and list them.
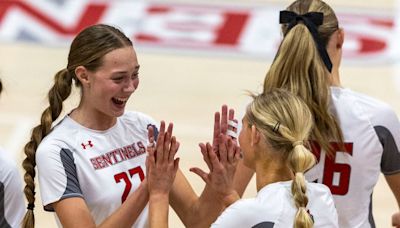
[
  {"x": 167, "y": 142},
  {"x": 206, "y": 157},
  {"x": 214, "y": 160},
  {"x": 166, "y": 146},
  {"x": 224, "y": 119},
  {"x": 160, "y": 141},
  {"x": 173, "y": 149},
  {"x": 150, "y": 132},
  {"x": 238, "y": 153},
  {"x": 201, "y": 174},
  {"x": 230, "y": 151},
  {"x": 231, "y": 114},
  {"x": 222, "y": 148},
  {"x": 217, "y": 127}
]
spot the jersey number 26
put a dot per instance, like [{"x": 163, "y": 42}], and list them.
[{"x": 331, "y": 166}]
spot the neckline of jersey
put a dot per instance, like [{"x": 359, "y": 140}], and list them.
[{"x": 107, "y": 131}]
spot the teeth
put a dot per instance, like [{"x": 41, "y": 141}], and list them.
[{"x": 121, "y": 99}]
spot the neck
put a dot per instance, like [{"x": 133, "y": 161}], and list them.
[
  {"x": 335, "y": 78},
  {"x": 92, "y": 119},
  {"x": 271, "y": 171}
]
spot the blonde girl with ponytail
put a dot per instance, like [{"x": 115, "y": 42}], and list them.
[
  {"x": 273, "y": 140},
  {"x": 356, "y": 137}
]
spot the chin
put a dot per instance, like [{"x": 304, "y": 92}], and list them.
[{"x": 120, "y": 113}]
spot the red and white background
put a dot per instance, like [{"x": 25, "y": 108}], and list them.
[
  {"x": 242, "y": 30},
  {"x": 194, "y": 54}
]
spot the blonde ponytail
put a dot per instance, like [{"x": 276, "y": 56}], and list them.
[
  {"x": 299, "y": 68},
  {"x": 286, "y": 122}
]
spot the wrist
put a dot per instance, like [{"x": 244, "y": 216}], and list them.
[
  {"x": 159, "y": 196},
  {"x": 230, "y": 198}
]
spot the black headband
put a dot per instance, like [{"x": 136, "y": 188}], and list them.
[{"x": 312, "y": 20}]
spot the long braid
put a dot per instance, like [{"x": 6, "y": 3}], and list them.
[
  {"x": 57, "y": 94},
  {"x": 300, "y": 160}
]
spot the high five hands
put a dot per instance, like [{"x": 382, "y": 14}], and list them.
[
  {"x": 161, "y": 163},
  {"x": 221, "y": 157}
]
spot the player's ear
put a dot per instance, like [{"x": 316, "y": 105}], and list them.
[
  {"x": 83, "y": 75},
  {"x": 340, "y": 38},
  {"x": 255, "y": 135}
]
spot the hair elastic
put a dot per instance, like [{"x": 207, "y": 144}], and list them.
[
  {"x": 276, "y": 127},
  {"x": 30, "y": 206},
  {"x": 297, "y": 143}
]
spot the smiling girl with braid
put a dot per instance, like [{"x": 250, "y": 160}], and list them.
[{"x": 91, "y": 165}]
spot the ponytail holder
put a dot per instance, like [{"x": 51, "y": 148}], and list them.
[
  {"x": 311, "y": 20},
  {"x": 30, "y": 206},
  {"x": 276, "y": 127},
  {"x": 297, "y": 143}
]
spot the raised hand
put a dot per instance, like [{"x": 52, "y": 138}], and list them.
[
  {"x": 222, "y": 168},
  {"x": 161, "y": 163}
]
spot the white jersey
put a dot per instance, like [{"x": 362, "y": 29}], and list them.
[
  {"x": 102, "y": 167},
  {"x": 274, "y": 207},
  {"x": 371, "y": 132},
  {"x": 12, "y": 206}
]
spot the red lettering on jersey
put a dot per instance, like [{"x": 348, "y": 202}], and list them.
[
  {"x": 111, "y": 158},
  {"x": 331, "y": 166},
  {"x": 95, "y": 163},
  {"x": 142, "y": 148},
  {"x": 89, "y": 144}
]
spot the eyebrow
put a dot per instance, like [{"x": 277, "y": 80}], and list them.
[{"x": 123, "y": 72}]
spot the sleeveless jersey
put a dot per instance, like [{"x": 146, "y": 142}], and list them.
[
  {"x": 12, "y": 206},
  {"x": 371, "y": 132},
  {"x": 274, "y": 207},
  {"x": 102, "y": 167}
]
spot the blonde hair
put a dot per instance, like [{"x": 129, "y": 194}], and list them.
[
  {"x": 87, "y": 49},
  {"x": 298, "y": 68},
  {"x": 285, "y": 121}
]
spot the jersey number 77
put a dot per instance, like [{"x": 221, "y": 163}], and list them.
[{"x": 126, "y": 177}]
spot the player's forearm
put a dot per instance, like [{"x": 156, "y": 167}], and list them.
[
  {"x": 206, "y": 209},
  {"x": 130, "y": 210},
  {"x": 158, "y": 210}
]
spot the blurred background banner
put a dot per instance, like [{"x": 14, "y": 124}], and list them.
[{"x": 234, "y": 30}]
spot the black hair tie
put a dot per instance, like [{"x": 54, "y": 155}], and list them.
[
  {"x": 30, "y": 206},
  {"x": 311, "y": 20}
]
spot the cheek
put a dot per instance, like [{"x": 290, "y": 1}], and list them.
[{"x": 136, "y": 83}]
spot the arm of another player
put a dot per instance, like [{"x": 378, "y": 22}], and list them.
[
  {"x": 200, "y": 211},
  {"x": 161, "y": 171}
]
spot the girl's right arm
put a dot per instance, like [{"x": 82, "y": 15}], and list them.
[{"x": 73, "y": 212}]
